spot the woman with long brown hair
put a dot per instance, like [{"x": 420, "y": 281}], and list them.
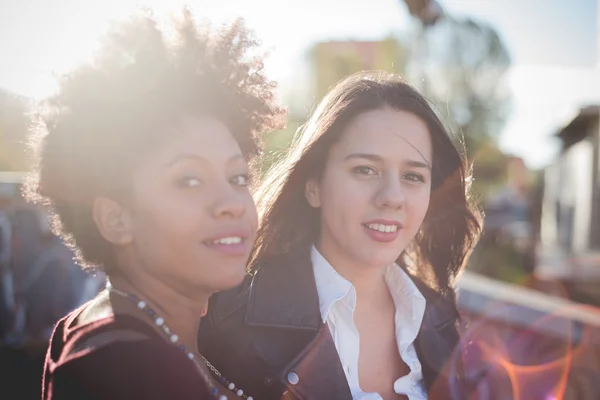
[{"x": 365, "y": 224}]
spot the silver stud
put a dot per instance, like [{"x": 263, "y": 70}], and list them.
[
  {"x": 293, "y": 378},
  {"x": 231, "y": 386},
  {"x": 159, "y": 321},
  {"x": 223, "y": 397},
  {"x": 190, "y": 356},
  {"x": 240, "y": 392},
  {"x": 174, "y": 338},
  {"x": 250, "y": 398},
  {"x": 141, "y": 305}
]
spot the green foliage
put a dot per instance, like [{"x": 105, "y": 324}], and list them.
[
  {"x": 460, "y": 65},
  {"x": 333, "y": 61}
]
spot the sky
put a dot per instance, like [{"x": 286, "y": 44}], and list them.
[
  {"x": 553, "y": 45},
  {"x": 555, "y": 50}
]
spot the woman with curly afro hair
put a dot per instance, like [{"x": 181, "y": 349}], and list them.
[{"x": 144, "y": 159}]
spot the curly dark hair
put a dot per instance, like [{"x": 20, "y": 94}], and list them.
[{"x": 109, "y": 112}]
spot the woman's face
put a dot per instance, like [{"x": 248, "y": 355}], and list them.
[
  {"x": 192, "y": 216},
  {"x": 374, "y": 191}
]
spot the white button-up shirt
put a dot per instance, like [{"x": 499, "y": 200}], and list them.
[{"x": 337, "y": 301}]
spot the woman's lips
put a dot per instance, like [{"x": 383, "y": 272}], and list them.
[
  {"x": 230, "y": 242},
  {"x": 383, "y": 230}
]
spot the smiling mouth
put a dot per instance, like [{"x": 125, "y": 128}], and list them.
[
  {"x": 229, "y": 245},
  {"x": 381, "y": 227},
  {"x": 230, "y": 240}
]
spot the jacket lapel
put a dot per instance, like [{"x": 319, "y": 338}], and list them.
[
  {"x": 283, "y": 296},
  {"x": 317, "y": 372},
  {"x": 436, "y": 347}
]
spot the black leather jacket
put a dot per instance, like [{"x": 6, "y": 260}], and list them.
[{"x": 268, "y": 338}]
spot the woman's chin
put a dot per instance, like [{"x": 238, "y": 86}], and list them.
[
  {"x": 229, "y": 280},
  {"x": 381, "y": 262}
]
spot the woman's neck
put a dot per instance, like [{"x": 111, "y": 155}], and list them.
[
  {"x": 368, "y": 281},
  {"x": 181, "y": 313}
]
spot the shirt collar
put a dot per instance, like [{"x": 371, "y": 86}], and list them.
[
  {"x": 331, "y": 286},
  {"x": 409, "y": 302}
]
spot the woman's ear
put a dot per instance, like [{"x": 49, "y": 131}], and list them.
[
  {"x": 112, "y": 221},
  {"x": 312, "y": 193}
]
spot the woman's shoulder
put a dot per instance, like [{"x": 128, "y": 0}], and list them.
[
  {"x": 116, "y": 356},
  {"x": 83, "y": 332},
  {"x": 92, "y": 327},
  {"x": 228, "y": 303},
  {"x": 272, "y": 277},
  {"x": 92, "y": 338}
]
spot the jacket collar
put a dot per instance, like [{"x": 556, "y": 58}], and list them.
[
  {"x": 283, "y": 294},
  {"x": 331, "y": 286}
]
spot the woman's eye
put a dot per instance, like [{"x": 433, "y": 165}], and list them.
[
  {"x": 241, "y": 180},
  {"x": 364, "y": 170},
  {"x": 414, "y": 177},
  {"x": 190, "y": 182}
]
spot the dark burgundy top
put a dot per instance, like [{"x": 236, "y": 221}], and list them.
[{"x": 142, "y": 367}]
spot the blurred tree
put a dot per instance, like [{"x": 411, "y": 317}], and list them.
[
  {"x": 426, "y": 11},
  {"x": 489, "y": 168},
  {"x": 14, "y": 122},
  {"x": 460, "y": 65}
]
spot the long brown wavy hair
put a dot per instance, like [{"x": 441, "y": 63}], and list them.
[{"x": 452, "y": 224}]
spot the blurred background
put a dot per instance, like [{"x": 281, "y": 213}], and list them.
[{"x": 518, "y": 79}]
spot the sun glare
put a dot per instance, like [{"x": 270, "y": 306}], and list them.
[{"x": 65, "y": 42}]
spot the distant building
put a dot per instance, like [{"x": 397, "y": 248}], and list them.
[{"x": 569, "y": 245}]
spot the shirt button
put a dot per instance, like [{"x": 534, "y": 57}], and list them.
[{"x": 293, "y": 378}]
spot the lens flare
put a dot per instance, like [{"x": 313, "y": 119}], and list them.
[{"x": 553, "y": 357}]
